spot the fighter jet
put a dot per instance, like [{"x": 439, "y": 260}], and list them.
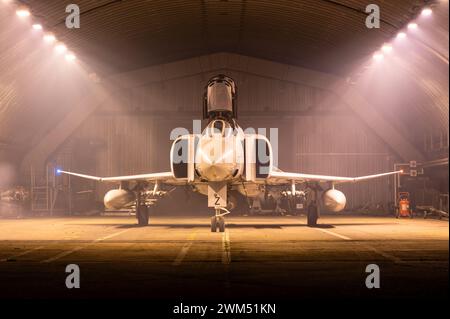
[{"x": 222, "y": 159}]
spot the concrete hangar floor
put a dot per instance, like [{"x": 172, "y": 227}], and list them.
[{"x": 274, "y": 258}]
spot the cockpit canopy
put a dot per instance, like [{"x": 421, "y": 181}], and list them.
[{"x": 220, "y": 97}]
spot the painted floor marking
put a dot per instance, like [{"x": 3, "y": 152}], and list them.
[
  {"x": 374, "y": 249},
  {"x": 384, "y": 254},
  {"x": 226, "y": 252},
  {"x": 184, "y": 250},
  {"x": 68, "y": 252},
  {"x": 334, "y": 234},
  {"x": 21, "y": 254}
]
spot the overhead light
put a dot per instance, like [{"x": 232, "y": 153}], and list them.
[
  {"x": 386, "y": 48},
  {"x": 60, "y": 48},
  {"x": 412, "y": 26},
  {"x": 401, "y": 35},
  {"x": 70, "y": 57},
  {"x": 37, "y": 26},
  {"x": 23, "y": 12},
  {"x": 378, "y": 56},
  {"x": 49, "y": 38},
  {"x": 426, "y": 12}
]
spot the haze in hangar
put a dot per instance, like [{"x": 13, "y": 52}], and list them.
[{"x": 221, "y": 159}]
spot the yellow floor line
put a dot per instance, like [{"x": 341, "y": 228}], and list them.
[{"x": 226, "y": 253}]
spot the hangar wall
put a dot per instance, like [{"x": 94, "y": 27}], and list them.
[{"x": 317, "y": 132}]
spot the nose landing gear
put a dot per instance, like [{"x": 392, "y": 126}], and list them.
[{"x": 218, "y": 220}]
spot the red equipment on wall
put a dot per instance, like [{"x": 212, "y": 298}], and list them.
[{"x": 404, "y": 208}]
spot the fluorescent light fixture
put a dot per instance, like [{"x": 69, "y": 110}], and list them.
[
  {"x": 386, "y": 48},
  {"x": 49, "y": 38},
  {"x": 60, "y": 48},
  {"x": 412, "y": 26},
  {"x": 70, "y": 57},
  {"x": 23, "y": 12},
  {"x": 378, "y": 56},
  {"x": 37, "y": 26},
  {"x": 426, "y": 12}
]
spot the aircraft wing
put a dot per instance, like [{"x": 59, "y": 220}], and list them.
[
  {"x": 279, "y": 177},
  {"x": 164, "y": 177}
]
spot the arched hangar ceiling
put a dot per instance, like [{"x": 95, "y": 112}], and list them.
[
  {"x": 328, "y": 35},
  {"x": 36, "y": 91}
]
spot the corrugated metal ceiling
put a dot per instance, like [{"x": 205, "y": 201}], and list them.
[
  {"x": 115, "y": 36},
  {"x": 313, "y": 33}
]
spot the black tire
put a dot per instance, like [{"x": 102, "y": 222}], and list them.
[
  {"x": 142, "y": 215},
  {"x": 221, "y": 223},
  {"x": 313, "y": 215},
  {"x": 213, "y": 224}
]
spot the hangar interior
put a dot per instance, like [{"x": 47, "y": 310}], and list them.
[
  {"x": 339, "y": 98},
  {"x": 304, "y": 68}
]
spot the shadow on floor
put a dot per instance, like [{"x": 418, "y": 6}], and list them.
[{"x": 230, "y": 225}]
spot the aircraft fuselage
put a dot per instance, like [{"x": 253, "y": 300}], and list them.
[{"x": 219, "y": 153}]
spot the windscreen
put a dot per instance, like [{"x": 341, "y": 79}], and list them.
[{"x": 219, "y": 97}]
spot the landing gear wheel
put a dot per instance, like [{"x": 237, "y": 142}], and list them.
[
  {"x": 213, "y": 224},
  {"x": 142, "y": 215},
  {"x": 313, "y": 215},
  {"x": 221, "y": 223}
]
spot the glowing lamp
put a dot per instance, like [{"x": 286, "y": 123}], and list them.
[
  {"x": 49, "y": 38},
  {"x": 60, "y": 48},
  {"x": 386, "y": 48},
  {"x": 70, "y": 57},
  {"x": 378, "y": 56},
  {"x": 426, "y": 12},
  {"x": 37, "y": 26},
  {"x": 401, "y": 35},
  {"x": 23, "y": 12},
  {"x": 412, "y": 26}
]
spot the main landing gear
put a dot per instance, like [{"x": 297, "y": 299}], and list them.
[
  {"x": 313, "y": 210},
  {"x": 218, "y": 221},
  {"x": 142, "y": 211},
  {"x": 145, "y": 201},
  {"x": 313, "y": 214},
  {"x": 142, "y": 214}
]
